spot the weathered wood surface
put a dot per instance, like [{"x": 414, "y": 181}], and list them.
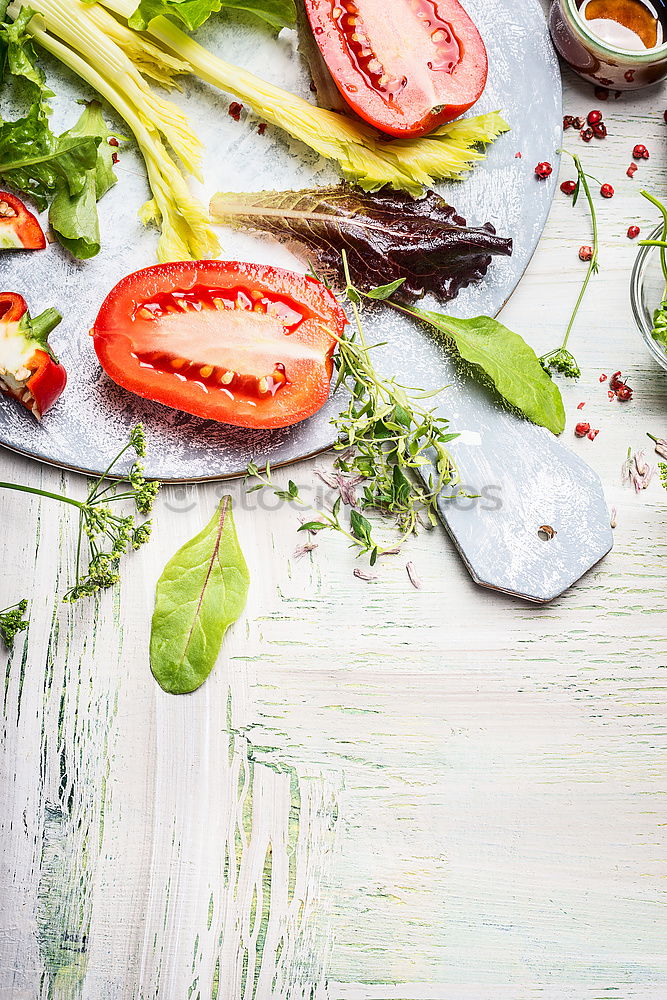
[{"x": 382, "y": 793}]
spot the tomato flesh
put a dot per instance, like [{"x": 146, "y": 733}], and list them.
[
  {"x": 242, "y": 344},
  {"x": 405, "y": 66}
]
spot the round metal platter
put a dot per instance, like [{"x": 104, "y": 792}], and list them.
[{"x": 94, "y": 415}]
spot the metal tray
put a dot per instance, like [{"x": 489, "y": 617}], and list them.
[{"x": 94, "y": 414}]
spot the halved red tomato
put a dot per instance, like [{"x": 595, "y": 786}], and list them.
[
  {"x": 405, "y": 66},
  {"x": 244, "y": 344}
]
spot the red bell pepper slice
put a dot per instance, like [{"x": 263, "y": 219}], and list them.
[
  {"x": 19, "y": 229},
  {"x": 28, "y": 370}
]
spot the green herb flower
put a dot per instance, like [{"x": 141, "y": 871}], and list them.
[
  {"x": 12, "y": 622},
  {"x": 107, "y": 535}
]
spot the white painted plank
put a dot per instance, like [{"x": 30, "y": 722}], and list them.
[{"x": 463, "y": 796}]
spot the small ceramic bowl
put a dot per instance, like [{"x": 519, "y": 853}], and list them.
[
  {"x": 647, "y": 287},
  {"x": 598, "y": 62}
]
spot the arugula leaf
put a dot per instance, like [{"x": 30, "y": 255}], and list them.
[
  {"x": 201, "y": 592},
  {"x": 389, "y": 238},
  {"x": 507, "y": 360},
  {"x": 193, "y": 13}
]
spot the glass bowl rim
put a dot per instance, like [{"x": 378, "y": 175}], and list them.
[{"x": 636, "y": 283}]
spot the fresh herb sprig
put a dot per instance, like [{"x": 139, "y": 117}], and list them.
[
  {"x": 12, "y": 622},
  {"x": 561, "y": 359},
  {"x": 106, "y": 535},
  {"x": 659, "y": 331},
  {"x": 392, "y": 434},
  {"x": 359, "y": 532},
  {"x": 385, "y": 436}
]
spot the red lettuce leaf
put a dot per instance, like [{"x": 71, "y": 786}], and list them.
[{"x": 387, "y": 236}]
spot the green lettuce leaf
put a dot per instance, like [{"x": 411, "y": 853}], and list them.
[
  {"x": 70, "y": 172},
  {"x": 506, "y": 359},
  {"x": 73, "y": 214},
  {"x": 193, "y": 13},
  {"x": 34, "y": 161},
  {"x": 17, "y": 52}
]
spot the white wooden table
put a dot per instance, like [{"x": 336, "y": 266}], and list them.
[{"x": 381, "y": 793}]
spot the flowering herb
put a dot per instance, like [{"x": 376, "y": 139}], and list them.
[
  {"x": 660, "y": 446},
  {"x": 362, "y": 574},
  {"x": 637, "y": 471},
  {"x": 107, "y": 535},
  {"x": 659, "y": 331},
  {"x": 412, "y": 575},
  {"x": 560, "y": 359},
  {"x": 12, "y": 622}
]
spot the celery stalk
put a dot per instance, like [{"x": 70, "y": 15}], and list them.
[
  {"x": 405, "y": 164},
  {"x": 186, "y": 232}
]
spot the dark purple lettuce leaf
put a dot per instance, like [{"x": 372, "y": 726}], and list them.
[{"x": 387, "y": 236}]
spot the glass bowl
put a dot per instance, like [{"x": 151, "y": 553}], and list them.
[{"x": 647, "y": 286}]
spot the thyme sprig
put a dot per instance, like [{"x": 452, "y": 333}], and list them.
[
  {"x": 12, "y": 622},
  {"x": 385, "y": 436},
  {"x": 561, "y": 359},
  {"x": 103, "y": 535}
]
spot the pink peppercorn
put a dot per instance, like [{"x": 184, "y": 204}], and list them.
[
  {"x": 543, "y": 170},
  {"x": 607, "y": 191},
  {"x": 568, "y": 187},
  {"x": 633, "y": 232},
  {"x": 581, "y": 430}
]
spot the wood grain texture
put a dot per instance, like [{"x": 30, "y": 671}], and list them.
[{"x": 381, "y": 793}]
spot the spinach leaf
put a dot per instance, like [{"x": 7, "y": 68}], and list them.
[
  {"x": 389, "y": 238},
  {"x": 507, "y": 360},
  {"x": 193, "y": 13},
  {"x": 201, "y": 592}
]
